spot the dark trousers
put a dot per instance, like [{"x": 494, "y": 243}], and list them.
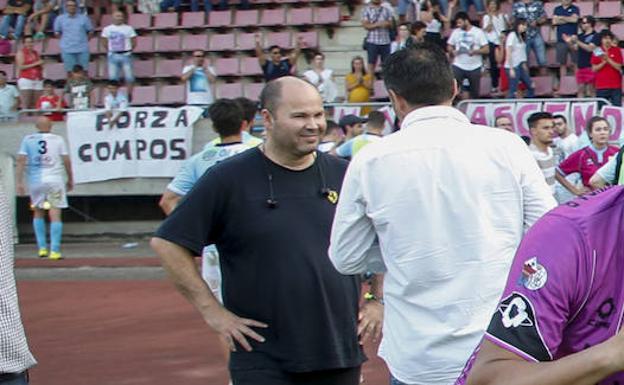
[
  {"x": 474, "y": 78},
  {"x": 14, "y": 379},
  {"x": 348, "y": 376},
  {"x": 614, "y": 95},
  {"x": 494, "y": 70}
]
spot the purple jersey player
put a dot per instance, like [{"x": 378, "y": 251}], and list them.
[{"x": 559, "y": 319}]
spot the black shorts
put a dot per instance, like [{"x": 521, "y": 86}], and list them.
[{"x": 348, "y": 376}]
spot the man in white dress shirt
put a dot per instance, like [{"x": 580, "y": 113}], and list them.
[{"x": 444, "y": 203}]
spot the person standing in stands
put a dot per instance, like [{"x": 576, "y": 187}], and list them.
[
  {"x": 200, "y": 79},
  {"x": 119, "y": 40},
  {"x": 566, "y": 17},
  {"x": 606, "y": 63},
  {"x": 493, "y": 24},
  {"x": 74, "y": 29},
  {"x": 533, "y": 12},
  {"x": 516, "y": 65},
  {"x": 79, "y": 88},
  {"x": 584, "y": 45},
  {"x": 9, "y": 100},
  {"x": 45, "y": 159},
  {"x": 377, "y": 21},
  {"x": 30, "y": 73},
  {"x": 277, "y": 66}
]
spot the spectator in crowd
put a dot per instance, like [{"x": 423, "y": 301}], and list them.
[
  {"x": 435, "y": 20},
  {"x": 175, "y": 5},
  {"x": 15, "y": 15},
  {"x": 588, "y": 160},
  {"x": 612, "y": 173},
  {"x": 15, "y": 356},
  {"x": 418, "y": 32},
  {"x": 359, "y": 83},
  {"x": 49, "y": 178},
  {"x": 606, "y": 63},
  {"x": 149, "y": 6},
  {"x": 51, "y": 103},
  {"x": 516, "y": 64},
  {"x": 584, "y": 44},
  {"x": 566, "y": 140},
  {"x": 566, "y": 143},
  {"x": 74, "y": 30},
  {"x": 404, "y": 38},
  {"x": 265, "y": 338},
  {"x": 128, "y": 5},
  {"x": 352, "y": 126},
  {"x": 42, "y": 17},
  {"x": 373, "y": 132},
  {"x": 467, "y": 45},
  {"x": 333, "y": 136},
  {"x": 277, "y": 66},
  {"x": 494, "y": 23},
  {"x": 533, "y": 12},
  {"x": 9, "y": 99},
  {"x": 566, "y": 17},
  {"x": 322, "y": 78},
  {"x": 30, "y": 73},
  {"x": 504, "y": 122},
  {"x": 464, "y": 6},
  {"x": 558, "y": 320},
  {"x": 200, "y": 79},
  {"x": 119, "y": 39},
  {"x": 79, "y": 88},
  {"x": 377, "y": 21},
  {"x": 433, "y": 315},
  {"x": 542, "y": 134},
  {"x": 115, "y": 102}
]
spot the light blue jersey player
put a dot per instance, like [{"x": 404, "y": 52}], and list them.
[
  {"x": 229, "y": 122},
  {"x": 45, "y": 159}
]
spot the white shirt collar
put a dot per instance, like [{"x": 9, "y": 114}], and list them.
[{"x": 434, "y": 112}]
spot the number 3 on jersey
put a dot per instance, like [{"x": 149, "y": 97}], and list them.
[{"x": 43, "y": 147}]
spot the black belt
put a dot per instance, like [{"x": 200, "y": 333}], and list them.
[
  {"x": 122, "y": 52},
  {"x": 11, "y": 376}
]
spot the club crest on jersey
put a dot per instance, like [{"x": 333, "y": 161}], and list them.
[{"x": 534, "y": 275}]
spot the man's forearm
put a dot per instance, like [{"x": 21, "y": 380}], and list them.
[{"x": 181, "y": 269}]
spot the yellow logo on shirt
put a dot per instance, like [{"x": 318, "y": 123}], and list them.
[{"x": 332, "y": 197}]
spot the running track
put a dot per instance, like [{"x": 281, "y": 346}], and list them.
[{"x": 125, "y": 333}]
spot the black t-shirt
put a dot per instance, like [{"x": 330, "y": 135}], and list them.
[
  {"x": 273, "y": 71},
  {"x": 274, "y": 261},
  {"x": 584, "y": 57}
]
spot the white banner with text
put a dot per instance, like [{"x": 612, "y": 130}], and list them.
[{"x": 145, "y": 142}]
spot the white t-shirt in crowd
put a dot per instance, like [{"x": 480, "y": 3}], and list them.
[
  {"x": 499, "y": 24},
  {"x": 119, "y": 37},
  {"x": 434, "y": 26},
  {"x": 198, "y": 90},
  {"x": 8, "y": 94},
  {"x": 518, "y": 50},
  {"x": 324, "y": 82},
  {"x": 465, "y": 41}
]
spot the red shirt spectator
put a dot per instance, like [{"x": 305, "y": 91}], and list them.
[
  {"x": 49, "y": 101},
  {"x": 608, "y": 77}
]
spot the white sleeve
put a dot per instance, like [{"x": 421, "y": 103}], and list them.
[
  {"x": 486, "y": 21},
  {"x": 537, "y": 197},
  {"x": 353, "y": 243},
  {"x": 482, "y": 38},
  {"x": 108, "y": 103},
  {"x": 452, "y": 40},
  {"x": 608, "y": 170},
  {"x": 63, "y": 147},
  {"x": 105, "y": 32},
  {"x": 132, "y": 33}
]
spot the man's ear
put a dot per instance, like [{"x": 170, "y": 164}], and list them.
[
  {"x": 399, "y": 104},
  {"x": 267, "y": 118}
]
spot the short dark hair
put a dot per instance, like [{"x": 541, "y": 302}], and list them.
[
  {"x": 114, "y": 83},
  {"x": 226, "y": 116},
  {"x": 319, "y": 53},
  {"x": 592, "y": 121},
  {"x": 77, "y": 68},
  {"x": 590, "y": 19},
  {"x": 461, "y": 15},
  {"x": 536, "y": 117},
  {"x": 3, "y": 73},
  {"x": 417, "y": 26},
  {"x": 271, "y": 95},
  {"x": 604, "y": 33},
  {"x": 559, "y": 116},
  {"x": 421, "y": 75},
  {"x": 332, "y": 126},
  {"x": 48, "y": 82},
  {"x": 29, "y": 36},
  {"x": 376, "y": 119},
  {"x": 274, "y": 46},
  {"x": 248, "y": 107}
]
